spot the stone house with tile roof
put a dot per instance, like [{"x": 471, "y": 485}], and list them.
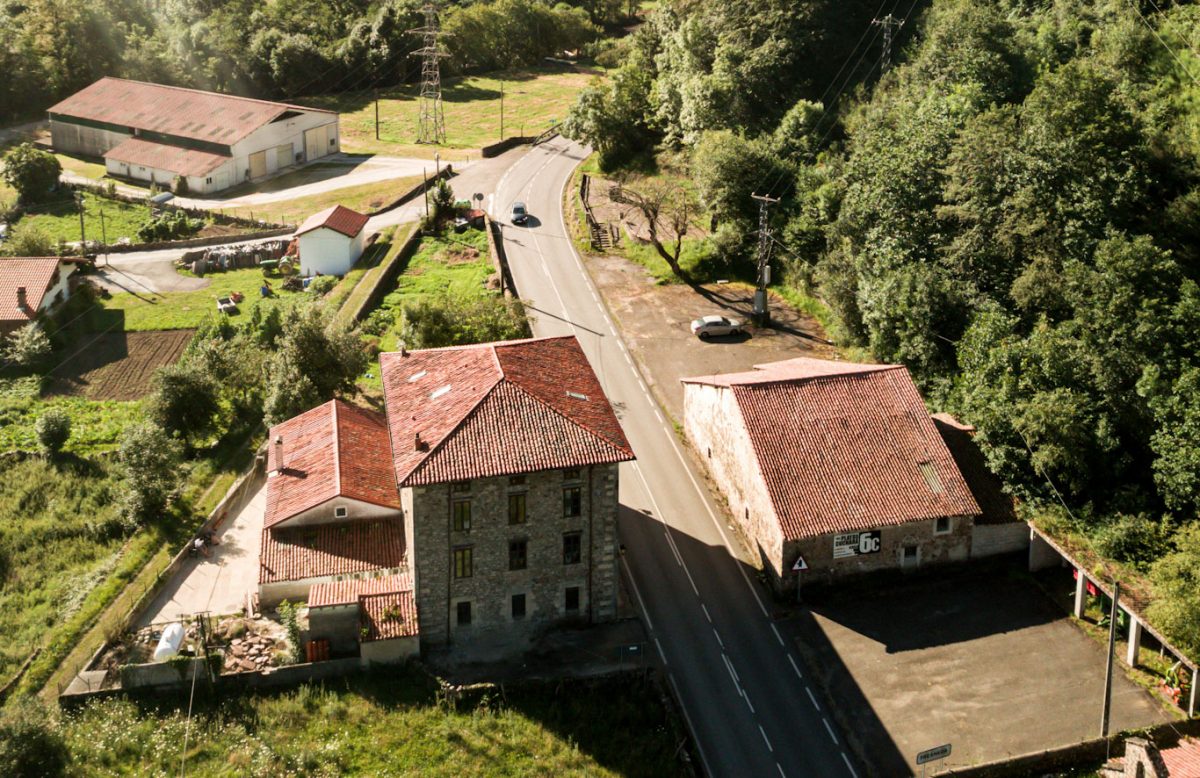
[
  {"x": 478, "y": 511},
  {"x": 835, "y": 463},
  {"x": 506, "y": 455}
]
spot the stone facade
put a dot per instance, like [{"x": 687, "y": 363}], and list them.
[
  {"x": 547, "y": 582},
  {"x": 992, "y": 539}
]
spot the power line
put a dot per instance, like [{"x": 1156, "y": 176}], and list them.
[{"x": 1154, "y": 32}]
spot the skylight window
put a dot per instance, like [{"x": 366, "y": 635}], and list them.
[
  {"x": 577, "y": 395},
  {"x": 418, "y": 376},
  {"x": 931, "y": 477},
  {"x": 439, "y": 392}
]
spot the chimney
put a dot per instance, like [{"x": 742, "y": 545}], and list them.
[
  {"x": 403, "y": 349},
  {"x": 22, "y": 303},
  {"x": 278, "y": 454},
  {"x": 417, "y": 444}
]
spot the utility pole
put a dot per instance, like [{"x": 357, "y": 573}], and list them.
[
  {"x": 104, "y": 236},
  {"x": 890, "y": 25},
  {"x": 425, "y": 179},
  {"x": 82, "y": 235},
  {"x": 376, "y": 113},
  {"x": 502, "y": 109},
  {"x": 762, "y": 315},
  {"x": 431, "y": 127},
  {"x": 1108, "y": 671}
]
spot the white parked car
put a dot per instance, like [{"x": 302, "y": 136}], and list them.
[{"x": 715, "y": 326}]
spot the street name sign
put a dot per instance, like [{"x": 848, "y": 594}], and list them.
[{"x": 933, "y": 754}]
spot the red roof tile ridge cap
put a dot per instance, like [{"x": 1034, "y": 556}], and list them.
[
  {"x": 627, "y": 449},
  {"x": 496, "y": 360},
  {"x": 337, "y": 448},
  {"x": 493, "y": 346},
  {"x": 175, "y": 88}
]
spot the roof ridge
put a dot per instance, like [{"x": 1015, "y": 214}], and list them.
[
  {"x": 856, "y": 374},
  {"x": 337, "y": 449},
  {"x": 207, "y": 92}
]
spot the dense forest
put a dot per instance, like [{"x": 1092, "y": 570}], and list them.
[
  {"x": 1011, "y": 209},
  {"x": 283, "y": 49}
]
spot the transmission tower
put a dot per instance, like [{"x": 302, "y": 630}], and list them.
[
  {"x": 431, "y": 127},
  {"x": 890, "y": 25},
  {"x": 762, "y": 316}
]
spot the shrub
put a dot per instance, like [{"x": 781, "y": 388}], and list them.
[
  {"x": 457, "y": 321},
  {"x": 1135, "y": 540},
  {"x": 172, "y": 225},
  {"x": 27, "y": 240},
  {"x": 149, "y": 460},
  {"x": 53, "y": 428},
  {"x": 185, "y": 401},
  {"x": 32, "y": 172},
  {"x": 289, "y": 617},
  {"x": 315, "y": 360},
  {"x": 30, "y": 743},
  {"x": 322, "y": 285},
  {"x": 28, "y": 346}
]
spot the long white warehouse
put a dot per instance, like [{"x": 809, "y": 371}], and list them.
[{"x": 156, "y": 133}]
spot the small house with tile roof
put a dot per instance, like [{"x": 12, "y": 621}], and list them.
[
  {"x": 831, "y": 466},
  {"x": 331, "y": 241},
  {"x": 159, "y": 134},
  {"x": 31, "y": 286},
  {"x": 506, "y": 456}
]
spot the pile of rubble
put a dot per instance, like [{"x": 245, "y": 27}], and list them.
[{"x": 250, "y": 653}]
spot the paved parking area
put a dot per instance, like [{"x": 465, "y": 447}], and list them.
[
  {"x": 218, "y": 583},
  {"x": 984, "y": 662},
  {"x": 655, "y": 318}
]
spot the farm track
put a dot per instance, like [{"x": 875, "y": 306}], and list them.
[{"x": 119, "y": 365}]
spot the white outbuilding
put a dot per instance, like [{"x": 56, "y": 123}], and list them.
[{"x": 331, "y": 241}]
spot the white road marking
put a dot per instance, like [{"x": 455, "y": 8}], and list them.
[
  {"x": 658, "y": 514},
  {"x": 813, "y": 698},
  {"x": 799, "y": 674},
  {"x": 849, "y": 766},
  {"x": 780, "y": 769},
  {"x": 777, "y": 635},
  {"x": 638, "y": 592},
  {"x": 692, "y": 727},
  {"x": 765, "y": 740},
  {"x": 746, "y": 697},
  {"x": 705, "y": 609},
  {"x": 661, "y": 654},
  {"x": 829, "y": 729},
  {"x": 717, "y": 635},
  {"x": 732, "y": 675}
]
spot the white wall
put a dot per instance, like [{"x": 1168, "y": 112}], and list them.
[
  {"x": 278, "y": 133},
  {"x": 327, "y": 252},
  {"x": 992, "y": 539},
  {"x": 63, "y": 287},
  {"x": 324, "y": 513},
  {"x": 389, "y": 651},
  {"x": 222, "y": 177},
  {"x": 76, "y": 139}
]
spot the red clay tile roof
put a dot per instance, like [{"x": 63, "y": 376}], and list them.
[
  {"x": 32, "y": 273},
  {"x": 172, "y": 110},
  {"x": 320, "y": 550},
  {"x": 388, "y": 616},
  {"x": 338, "y": 218},
  {"x": 162, "y": 156},
  {"x": 996, "y": 506},
  {"x": 495, "y": 409},
  {"x": 347, "y": 592},
  {"x": 845, "y": 447},
  {"x": 1183, "y": 760},
  {"x": 333, "y": 450}
]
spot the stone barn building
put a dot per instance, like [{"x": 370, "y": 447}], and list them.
[
  {"x": 156, "y": 134},
  {"x": 832, "y": 463},
  {"x": 506, "y": 455}
]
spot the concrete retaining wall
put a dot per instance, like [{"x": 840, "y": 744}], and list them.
[
  {"x": 390, "y": 652},
  {"x": 993, "y": 539},
  {"x": 386, "y": 275},
  {"x": 496, "y": 149}
]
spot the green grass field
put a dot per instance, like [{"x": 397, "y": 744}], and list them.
[
  {"x": 95, "y": 425},
  {"x": 185, "y": 310},
  {"x": 533, "y": 101},
  {"x": 385, "y": 724},
  {"x": 362, "y": 198},
  {"x": 60, "y": 218}
]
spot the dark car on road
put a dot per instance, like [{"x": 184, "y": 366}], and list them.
[{"x": 519, "y": 214}]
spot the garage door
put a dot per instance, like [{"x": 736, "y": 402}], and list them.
[
  {"x": 283, "y": 155},
  {"x": 258, "y": 164},
  {"x": 315, "y": 142}
]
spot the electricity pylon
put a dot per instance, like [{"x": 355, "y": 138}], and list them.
[{"x": 431, "y": 127}]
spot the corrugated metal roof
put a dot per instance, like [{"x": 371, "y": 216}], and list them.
[
  {"x": 172, "y": 110},
  {"x": 338, "y": 218},
  {"x": 178, "y": 160},
  {"x": 497, "y": 408}
]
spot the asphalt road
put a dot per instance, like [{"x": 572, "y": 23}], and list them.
[{"x": 743, "y": 692}]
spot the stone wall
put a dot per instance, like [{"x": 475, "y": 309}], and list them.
[
  {"x": 492, "y": 585},
  {"x": 713, "y": 424},
  {"x": 932, "y": 549},
  {"x": 389, "y": 652},
  {"x": 992, "y": 539}
]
